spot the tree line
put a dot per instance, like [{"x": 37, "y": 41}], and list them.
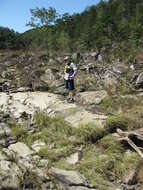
[{"x": 106, "y": 24}]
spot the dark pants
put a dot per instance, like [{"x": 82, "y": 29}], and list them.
[{"x": 70, "y": 84}]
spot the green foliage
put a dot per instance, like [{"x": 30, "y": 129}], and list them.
[
  {"x": 42, "y": 16},
  {"x": 106, "y": 162},
  {"x": 18, "y": 132},
  {"x": 124, "y": 122},
  {"x": 53, "y": 124},
  {"x": 110, "y": 145},
  {"x": 98, "y": 167},
  {"x": 51, "y": 89},
  {"x": 115, "y": 122},
  {"x": 116, "y": 104},
  {"x": 63, "y": 40},
  {"x": 89, "y": 133},
  {"x": 10, "y": 39},
  {"x": 102, "y": 25},
  {"x": 128, "y": 162},
  {"x": 53, "y": 131},
  {"x": 55, "y": 155}
]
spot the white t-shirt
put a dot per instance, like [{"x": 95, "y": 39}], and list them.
[{"x": 72, "y": 65}]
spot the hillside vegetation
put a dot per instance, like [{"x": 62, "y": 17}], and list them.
[{"x": 113, "y": 23}]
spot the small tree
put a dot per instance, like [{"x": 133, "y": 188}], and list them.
[{"x": 44, "y": 19}]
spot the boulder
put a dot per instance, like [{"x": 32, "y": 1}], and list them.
[
  {"x": 21, "y": 149},
  {"x": 73, "y": 158},
  {"x": 2, "y": 156},
  {"x": 92, "y": 97},
  {"x": 70, "y": 180},
  {"x": 4, "y": 131},
  {"x": 9, "y": 173},
  {"x": 69, "y": 177},
  {"x": 88, "y": 67}
]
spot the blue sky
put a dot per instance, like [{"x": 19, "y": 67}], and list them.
[{"x": 14, "y": 14}]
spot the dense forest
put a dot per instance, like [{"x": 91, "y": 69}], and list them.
[{"x": 107, "y": 24}]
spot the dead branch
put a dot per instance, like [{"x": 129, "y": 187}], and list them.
[{"x": 125, "y": 136}]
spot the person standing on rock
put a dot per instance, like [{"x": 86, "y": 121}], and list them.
[{"x": 69, "y": 71}]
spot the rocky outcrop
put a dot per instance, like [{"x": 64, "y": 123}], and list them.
[
  {"x": 21, "y": 166},
  {"x": 9, "y": 175},
  {"x": 46, "y": 73},
  {"x": 25, "y": 164},
  {"x": 91, "y": 97},
  {"x": 21, "y": 105},
  {"x": 69, "y": 180}
]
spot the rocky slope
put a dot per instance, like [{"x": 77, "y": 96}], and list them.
[{"x": 47, "y": 143}]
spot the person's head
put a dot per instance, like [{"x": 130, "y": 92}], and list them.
[{"x": 67, "y": 60}]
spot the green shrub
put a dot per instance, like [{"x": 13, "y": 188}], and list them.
[
  {"x": 126, "y": 163},
  {"x": 30, "y": 138},
  {"x": 123, "y": 122},
  {"x": 55, "y": 155},
  {"x": 53, "y": 124},
  {"x": 115, "y": 122},
  {"x": 123, "y": 89},
  {"x": 41, "y": 119},
  {"x": 52, "y": 89},
  {"x": 110, "y": 145},
  {"x": 98, "y": 168},
  {"x": 108, "y": 105},
  {"x": 116, "y": 104},
  {"x": 18, "y": 132},
  {"x": 89, "y": 133}
]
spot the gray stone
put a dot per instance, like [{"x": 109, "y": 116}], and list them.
[
  {"x": 23, "y": 89},
  {"x": 73, "y": 159},
  {"x": 20, "y": 149},
  {"x": 92, "y": 97},
  {"x": 9, "y": 173},
  {"x": 69, "y": 177},
  {"x": 4, "y": 131},
  {"x": 2, "y": 156}
]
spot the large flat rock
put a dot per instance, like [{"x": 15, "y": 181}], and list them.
[
  {"x": 29, "y": 102},
  {"x": 21, "y": 149}
]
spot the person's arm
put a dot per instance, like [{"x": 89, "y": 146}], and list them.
[{"x": 74, "y": 69}]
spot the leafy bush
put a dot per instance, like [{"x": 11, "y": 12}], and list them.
[
  {"x": 89, "y": 133},
  {"x": 97, "y": 167},
  {"x": 18, "y": 132},
  {"x": 115, "y": 122},
  {"x": 55, "y": 155},
  {"x": 110, "y": 145},
  {"x": 116, "y": 104},
  {"x": 128, "y": 161},
  {"x": 123, "y": 122},
  {"x": 53, "y": 124}
]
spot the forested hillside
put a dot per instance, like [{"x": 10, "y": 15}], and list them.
[{"x": 109, "y": 24}]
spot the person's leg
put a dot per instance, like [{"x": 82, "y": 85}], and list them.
[
  {"x": 71, "y": 94},
  {"x": 71, "y": 90},
  {"x": 67, "y": 85}
]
